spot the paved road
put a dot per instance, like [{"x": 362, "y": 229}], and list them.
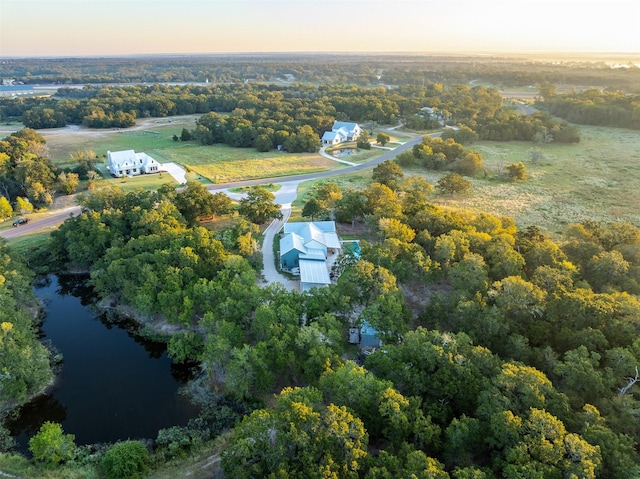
[
  {"x": 389, "y": 155},
  {"x": 49, "y": 222},
  {"x": 286, "y": 195}
]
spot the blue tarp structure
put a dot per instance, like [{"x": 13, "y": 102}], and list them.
[{"x": 369, "y": 336}]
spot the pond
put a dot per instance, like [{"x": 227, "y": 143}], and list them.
[
  {"x": 342, "y": 152},
  {"x": 112, "y": 386}
]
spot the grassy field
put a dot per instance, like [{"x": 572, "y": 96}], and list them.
[
  {"x": 208, "y": 164},
  {"x": 148, "y": 135},
  {"x": 222, "y": 164},
  {"x": 597, "y": 178}
]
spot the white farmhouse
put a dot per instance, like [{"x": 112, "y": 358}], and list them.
[
  {"x": 130, "y": 163},
  {"x": 340, "y": 132}
]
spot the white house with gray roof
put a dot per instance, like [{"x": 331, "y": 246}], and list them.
[
  {"x": 130, "y": 163},
  {"x": 306, "y": 246},
  {"x": 340, "y": 132}
]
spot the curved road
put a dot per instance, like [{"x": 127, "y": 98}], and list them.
[
  {"x": 286, "y": 195},
  {"x": 389, "y": 155}
]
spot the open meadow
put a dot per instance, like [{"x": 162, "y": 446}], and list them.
[
  {"x": 218, "y": 163},
  {"x": 597, "y": 179}
]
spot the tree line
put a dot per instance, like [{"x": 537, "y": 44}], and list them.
[
  {"x": 595, "y": 107},
  {"x": 264, "y": 116},
  {"x": 28, "y": 178},
  {"x": 25, "y": 363},
  {"x": 388, "y": 69}
]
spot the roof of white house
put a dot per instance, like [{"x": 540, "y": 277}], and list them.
[
  {"x": 314, "y": 272},
  {"x": 329, "y": 135},
  {"x": 347, "y": 125},
  {"x": 129, "y": 158},
  {"x": 122, "y": 158}
]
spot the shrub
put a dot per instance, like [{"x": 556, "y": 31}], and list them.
[
  {"x": 51, "y": 445},
  {"x": 125, "y": 460}
]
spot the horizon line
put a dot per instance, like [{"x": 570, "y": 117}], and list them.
[{"x": 332, "y": 53}]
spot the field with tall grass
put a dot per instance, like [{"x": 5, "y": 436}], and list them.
[{"x": 598, "y": 178}]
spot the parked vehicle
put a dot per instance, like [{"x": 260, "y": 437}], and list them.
[{"x": 20, "y": 221}]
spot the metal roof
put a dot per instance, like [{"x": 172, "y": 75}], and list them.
[
  {"x": 291, "y": 242},
  {"x": 315, "y": 272}
]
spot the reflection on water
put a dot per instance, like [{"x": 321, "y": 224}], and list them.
[
  {"x": 341, "y": 152},
  {"x": 113, "y": 385}
]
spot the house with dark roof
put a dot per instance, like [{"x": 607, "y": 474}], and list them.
[
  {"x": 305, "y": 248},
  {"x": 130, "y": 163},
  {"x": 341, "y": 131}
]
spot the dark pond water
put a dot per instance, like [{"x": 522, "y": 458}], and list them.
[
  {"x": 341, "y": 152},
  {"x": 112, "y": 385}
]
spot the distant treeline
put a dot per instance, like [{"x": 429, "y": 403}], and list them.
[
  {"x": 596, "y": 107},
  {"x": 264, "y": 116},
  {"x": 319, "y": 68}
]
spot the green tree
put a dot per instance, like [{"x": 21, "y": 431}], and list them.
[
  {"x": 68, "y": 182},
  {"x": 5, "y": 208},
  {"x": 186, "y": 135},
  {"x": 125, "y": 460},
  {"x": 608, "y": 268},
  {"x": 196, "y": 202},
  {"x": 387, "y": 173},
  {"x": 259, "y": 207},
  {"x": 545, "y": 449},
  {"x": 393, "y": 228},
  {"x": 299, "y": 437},
  {"x": 414, "y": 194},
  {"x": 313, "y": 208},
  {"x": 517, "y": 171},
  {"x": 470, "y": 275},
  {"x": 23, "y": 205},
  {"x": 363, "y": 141},
  {"x": 51, "y": 445},
  {"x": 453, "y": 183},
  {"x": 518, "y": 297},
  {"x": 351, "y": 207},
  {"x": 469, "y": 164},
  {"x": 263, "y": 143},
  {"x": 382, "y": 138}
]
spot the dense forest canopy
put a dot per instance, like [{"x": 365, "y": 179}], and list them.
[
  {"x": 265, "y": 116},
  {"x": 595, "y": 107},
  {"x": 520, "y": 363}
]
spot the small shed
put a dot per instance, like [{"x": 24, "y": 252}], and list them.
[
  {"x": 369, "y": 336},
  {"x": 354, "y": 336}
]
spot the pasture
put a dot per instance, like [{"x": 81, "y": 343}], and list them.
[
  {"x": 597, "y": 179},
  {"x": 216, "y": 164}
]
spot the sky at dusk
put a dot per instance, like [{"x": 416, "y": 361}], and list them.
[{"x": 117, "y": 27}]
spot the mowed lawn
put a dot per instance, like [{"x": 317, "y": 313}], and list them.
[
  {"x": 598, "y": 178},
  {"x": 223, "y": 164},
  {"x": 154, "y": 136}
]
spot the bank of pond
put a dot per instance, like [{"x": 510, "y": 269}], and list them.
[{"x": 112, "y": 384}]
